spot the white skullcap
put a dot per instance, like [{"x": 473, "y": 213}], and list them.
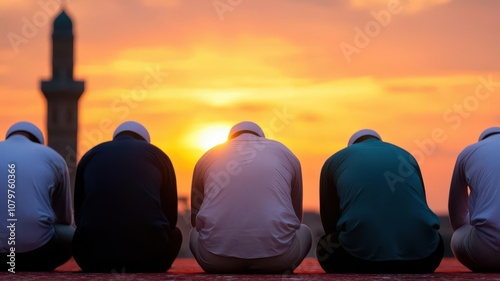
[
  {"x": 245, "y": 127},
  {"x": 362, "y": 133},
  {"x": 28, "y": 128},
  {"x": 488, "y": 132},
  {"x": 134, "y": 127}
]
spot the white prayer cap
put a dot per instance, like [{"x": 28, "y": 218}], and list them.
[
  {"x": 488, "y": 132},
  {"x": 134, "y": 127},
  {"x": 27, "y": 127},
  {"x": 245, "y": 127},
  {"x": 362, "y": 133}
]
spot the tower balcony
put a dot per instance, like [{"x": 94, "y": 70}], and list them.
[{"x": 63, "y": 89}]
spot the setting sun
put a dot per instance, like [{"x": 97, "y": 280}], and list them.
[{"x": 210, "y": 136}]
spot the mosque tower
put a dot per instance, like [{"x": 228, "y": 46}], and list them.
[{"x": 62, "y": 93}]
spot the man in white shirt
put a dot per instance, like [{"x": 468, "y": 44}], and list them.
[
  {"x": 475, "y": 216},
  {"x": 36, "y": 213},
  {"x": 246, "y": 205}
]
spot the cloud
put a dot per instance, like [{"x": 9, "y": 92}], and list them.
[
  {"x": 161, "y": 3},
  {"x": 14, "y": 4},
  {"x": 408, "y": 5},
  {"x": 4, "y": 69}
]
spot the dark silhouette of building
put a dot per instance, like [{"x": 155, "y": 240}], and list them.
[{"x": 62, "y": 93}]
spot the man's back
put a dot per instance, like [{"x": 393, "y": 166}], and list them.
[
  {"x": 126, "y": 205},
  {"x": 478, "y": 166},
  {"x": 42, "y": 195},
  {"x": 474, "y": 204},
  {"x": 252, "y": 203},
  {"x": 384, "y": 214},
  {"x": 120, "y": 184}
]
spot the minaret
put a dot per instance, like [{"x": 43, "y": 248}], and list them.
[{"x": 62, "y": 93}]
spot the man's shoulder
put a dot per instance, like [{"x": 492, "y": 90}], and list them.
[
  {"x": 154, "y": 148},
  {"x": 42, "y": 149},
  {"x": 469, "y": 150},
  {"x": 47, "y": 155},
  {"x": 215, "y": 152},
  {"x": 283, "y": 148},
  {"x": 363, "y": 148},
  {"x": 131, "y": 143},
  {"x": 276, "y": 144},
  {"x": 342, "y": 153},
  {"x": 396, "y": 148},
  {"x": 111, "y": 145},
  {"x": 54, "y": 155}
]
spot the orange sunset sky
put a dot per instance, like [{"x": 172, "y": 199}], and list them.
[{"x": 425, "y": 74}]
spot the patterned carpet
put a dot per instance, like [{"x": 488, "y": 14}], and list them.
[{"x": 188, "y": 269}]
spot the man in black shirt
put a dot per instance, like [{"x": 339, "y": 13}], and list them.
[{"x": 126, "y": 206}]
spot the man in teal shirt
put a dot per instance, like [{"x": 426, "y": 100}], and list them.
[{"x": 374, "y": 211}]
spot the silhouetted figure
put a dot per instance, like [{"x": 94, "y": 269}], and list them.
[
  {"x": 246, "y": 206},
  {"x": 374, "y": 211},
  {"x": 126, "y": 206},
  {"x": 474, "y": 204},
  {"x": 36, "y": 216}
]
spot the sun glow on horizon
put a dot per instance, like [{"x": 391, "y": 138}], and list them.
[{"x": 210, "y": 135}]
